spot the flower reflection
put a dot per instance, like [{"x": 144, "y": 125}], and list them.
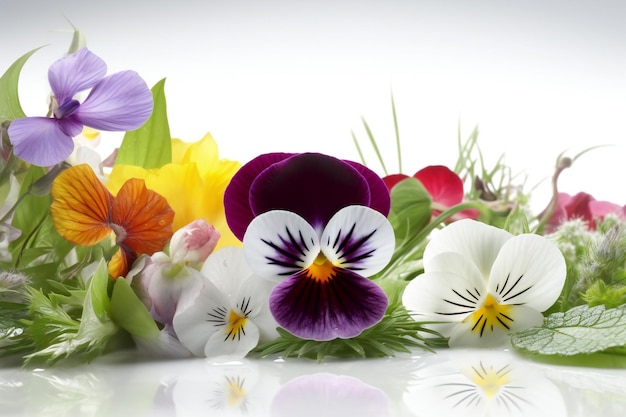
[
  {"x": 329, "y": 395},
  {"x": 483, "y": 383},
  {"x": 233, "y": 389}
]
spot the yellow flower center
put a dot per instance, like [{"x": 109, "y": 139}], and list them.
[
  {"x": 236, "y": 393},
  {"x": 490, "y": 380},
  {"x": 235, "y": 325},
  {"x": 321, "y": 269},
  {"x": 490, "y": 316}
]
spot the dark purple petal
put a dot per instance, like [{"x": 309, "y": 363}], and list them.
[
  {"x": 121, "y": 101},
  {"x": 40, "y": 140},
  {"x": 380, "y": 199},
  {"x": 340, "y": 305},
  {"x": 75, "y": 73},
  {"x": 237, "y": 194},
  {"x": 313, "y": 185}
]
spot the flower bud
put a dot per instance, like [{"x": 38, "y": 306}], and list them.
[{"x": 193, "y": 243}]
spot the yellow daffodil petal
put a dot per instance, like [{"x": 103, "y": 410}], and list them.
[
  {"x": 193, "y": 184},
  {"x": 80, "y": 206}
]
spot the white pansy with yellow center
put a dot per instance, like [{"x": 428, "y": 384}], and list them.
[
  {"x": 483, "y": 283},
  {"x": 230, "y": 314}
]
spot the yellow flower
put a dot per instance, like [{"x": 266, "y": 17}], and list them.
[{"x": 193, "y": 184}]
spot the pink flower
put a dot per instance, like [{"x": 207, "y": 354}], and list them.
[
  {"x": 444, "y": 186},
  {"x": 582, "y": 206},
  {"x": 193, "y": 243}
]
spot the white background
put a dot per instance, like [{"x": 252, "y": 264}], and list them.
[{"x": 537, "y": 77}]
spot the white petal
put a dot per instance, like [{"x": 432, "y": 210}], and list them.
[
  {"x": 529, "y": 270},
  {"x": 523, "y": 318},
  {"x": 358, "y": 238},
  {"x": 228, "y": 270},
  {"x": 221, "y": 348},
  {"x": 445, "y": 296},
  {"x": 473, "y": 239},
  {"x": 279, "y": 243},
  {"x": 194, "y": 322}
]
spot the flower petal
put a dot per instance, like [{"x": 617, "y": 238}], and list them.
[
  {"x": 360, "y": 239},
  {"x": 74, "y": 73},
  {"x": 449, "y": 291},
  {"x": 237, "y": 194},
  {"x": 280, "y": 243},
  {"x": 40, "y": 140},
  {"x": 529, "y": 270},
  {"x": 121, "y": 101},
  {"x": 380, "y": 199},
  {"x": 144, "y": 215},
  {"x": 121, "y": 261},
  {"x": 222, "y": 348},
  {"x": 474, "y": 240},
  {"x": 80, "y": 206},
  {"x": 343, "y": 305},
  {"x": 313, "y": 185},
  {"x": 228, "y": 270},
  {"x": 444, "y": 185},
  {"x": 392, "y": 179},
  {"x": 523, "y": 317},
  {"x": 192, "y": 321}
]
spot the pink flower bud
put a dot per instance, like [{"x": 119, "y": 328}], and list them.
[{"x": 193, "y": 243}]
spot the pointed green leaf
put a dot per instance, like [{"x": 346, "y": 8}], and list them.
[
  {"x": 10, "y": 108},
  {"x": 149, "y": 146},
  {"x": 130, "y": 313}
]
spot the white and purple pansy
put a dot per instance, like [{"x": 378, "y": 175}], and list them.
[{"x": 317, "y": 226}]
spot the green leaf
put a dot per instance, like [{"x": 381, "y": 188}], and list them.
[
  {"x": 129, "y": 312},
  {"x": 65, "y": 340},
  {"x": 581, "y": 330},
  {"x": 150, "y": 146},
  {"x": 410, "y": 208},
  {"x": 10, "y": 108}
]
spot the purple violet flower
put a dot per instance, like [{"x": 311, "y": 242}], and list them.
[
  {"x": 121, "y": 101},
  {"x": 317, "y": 226}
]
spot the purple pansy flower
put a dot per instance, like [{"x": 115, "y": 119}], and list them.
[
  {"x": 317, "y": 226},
  {"x": 121, "y": 101}
]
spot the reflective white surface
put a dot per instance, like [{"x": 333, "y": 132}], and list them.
[{"x": 449, "y": 383}]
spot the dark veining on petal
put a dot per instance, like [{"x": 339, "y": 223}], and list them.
[
  {"x": 343, "y": 305},
  {"x": 291, "y": 252}
]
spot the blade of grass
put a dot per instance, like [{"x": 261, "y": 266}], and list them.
[
  {"x": 397, "y": 131},
  {"x": 375, "y": 146},
  {"x": 358, "y": 148}
]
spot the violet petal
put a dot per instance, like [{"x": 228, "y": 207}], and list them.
[
  {"x": 380, "y": 199},
  {"x": 237, "y": 194},
  {"x": 40, "y": 140},
  {"x": 341, "y": 305},
  {"x": 313, "y": 185},
  {"x": 121, "y": 101},
  {"x": 74, "y": 73}
]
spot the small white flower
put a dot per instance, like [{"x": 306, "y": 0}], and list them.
[
  {"x": 228, "y": 317},
  {"x": 484, "y": 283}
]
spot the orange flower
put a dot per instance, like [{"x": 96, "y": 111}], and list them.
[{"x": 85, "y": 212}]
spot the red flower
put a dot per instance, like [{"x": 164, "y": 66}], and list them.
[
  {"x": 444, "y": 186},
  {"x": 581, "y": 206}
]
